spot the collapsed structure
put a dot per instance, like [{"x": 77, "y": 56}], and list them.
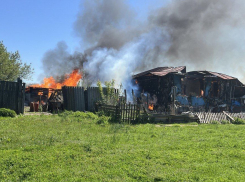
[
  {"x": 191, "y": 91},
  {"x": 48, "y": 99}
]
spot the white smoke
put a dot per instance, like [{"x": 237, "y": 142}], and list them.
[{"x": 105, "y": 64}]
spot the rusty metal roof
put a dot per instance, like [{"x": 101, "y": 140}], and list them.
[
  {"x": 223, "y": 76},
  {"x": 162, "y": 71},
  {"x": 213, "y": 74}
]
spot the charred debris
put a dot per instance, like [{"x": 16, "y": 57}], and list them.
[
  {"x": 44, "y": 99},
  {"x": 171, "y": 89}
]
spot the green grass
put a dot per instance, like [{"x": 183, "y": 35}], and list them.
[{"x": 75, "y": 148}]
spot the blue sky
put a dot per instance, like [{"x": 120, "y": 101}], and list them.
[{"x": 33, "y": 27}]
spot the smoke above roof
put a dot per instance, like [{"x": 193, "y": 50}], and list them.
[{"x": 203, "y": 35}]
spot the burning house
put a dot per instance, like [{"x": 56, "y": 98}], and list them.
[
  {"x": 162, "y": 89},
  {"x": 49, "y": 94},
  {"x": 37, "y": 94},
  {"x": 158, "y": 82},
  {"x": 213, "y": 91},
  {"x": 195, "y": 90}
]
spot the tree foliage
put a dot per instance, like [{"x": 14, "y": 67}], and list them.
[
  {"x": 109, "y": 97},
  {"x": 11, "y": 66}
]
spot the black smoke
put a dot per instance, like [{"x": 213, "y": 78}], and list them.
[{"x": 203, "y": 35}]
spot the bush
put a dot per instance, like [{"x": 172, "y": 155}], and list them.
[
  {"x": 214, "y": 122},
  {"x": 238, "y": 121},
  {"x": 79, "y": 114},
  {"x": 65, "y": 113},
  {"x": 90, "y": 115},
  {"x": 7, "y": 112},
  {"x": 112, "y": 117},
  {"x": 225, "y": 122},
  {"x": 101, "y": 113},
  {"x": 103, "y": 120}
]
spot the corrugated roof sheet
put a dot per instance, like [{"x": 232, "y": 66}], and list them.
[
  {"x": 215, "y": 74},
  {"x": 161, "y": 71},
  {"x": 223, "y": 76}
]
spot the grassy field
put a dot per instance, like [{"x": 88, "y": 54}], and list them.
[{"x": 75, "y": 148}]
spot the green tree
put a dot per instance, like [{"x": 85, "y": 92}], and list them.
[
  {"x": 110, "y": 96},
  {"x": 11, "y": 66}
]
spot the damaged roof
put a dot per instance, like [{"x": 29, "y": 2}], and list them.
[
  {"x": 212, "y": 74},
  {"x": 223, "y": 76},
  {"x": 162, "y": 71}
]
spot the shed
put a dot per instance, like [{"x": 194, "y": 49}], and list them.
[{"x": 159, "y": 81}]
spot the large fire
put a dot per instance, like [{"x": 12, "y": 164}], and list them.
[{"x": 70, "y": 80}]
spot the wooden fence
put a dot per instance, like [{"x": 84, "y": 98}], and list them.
[
  {"x": 122, "y": 112},
  {"x": 237, "y": 115},
  {"x": 12, "y": 95},
  {"x": 73, "y": 98},
  {"x": 110, "y": 110},
  {"x": 205, "y": 117},
  {"x": 79, "y": 99},
  {"x": 93, "y": 95},
  {"x": 129, "y": 112}
]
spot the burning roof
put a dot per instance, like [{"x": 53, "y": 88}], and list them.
[
  {"x": 43, "y": 91},
  {"x": 162, "y": 71},
  {"x": 70, "y": 80}
]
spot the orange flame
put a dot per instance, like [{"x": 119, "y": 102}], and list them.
[
  {"x": 40, "y": 93},
  {"x": 151, "y": 107},
  {"x": 202, "y": 93},
  {"x": 71, "y": 80}
]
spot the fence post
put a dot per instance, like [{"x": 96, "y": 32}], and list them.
[
  {"x": 117, "y": 114},
  {"x": 19, "y": 95},
  {"x": 138, "y": 111},
  {"x": 83, "y": 99},
  {"x": 23, "y": 97},
  {"x": 125, "y": 93},
  {"x": 64, "y": 97}
]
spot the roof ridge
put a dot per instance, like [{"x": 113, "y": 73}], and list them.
[{"x": 164, "y": 70}]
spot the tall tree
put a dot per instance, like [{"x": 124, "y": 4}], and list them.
[{"x": 11, "y": 66}]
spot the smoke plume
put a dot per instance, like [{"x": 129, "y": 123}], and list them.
[
  {"x": 59, "y": 61},
  {"x": 203, "y": 35}
]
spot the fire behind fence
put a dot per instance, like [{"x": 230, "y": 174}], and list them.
[{"x": 78, "y": 99}]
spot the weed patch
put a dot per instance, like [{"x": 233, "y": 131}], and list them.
[
  {"x": 215, "y": 122},
  {"x": 238, "y": 121},
  {"x": 225, "y": 122},
  {"x": 103, "y": 120}
]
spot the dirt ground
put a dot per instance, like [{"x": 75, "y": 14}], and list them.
[{"x": 27, "y": 112}]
